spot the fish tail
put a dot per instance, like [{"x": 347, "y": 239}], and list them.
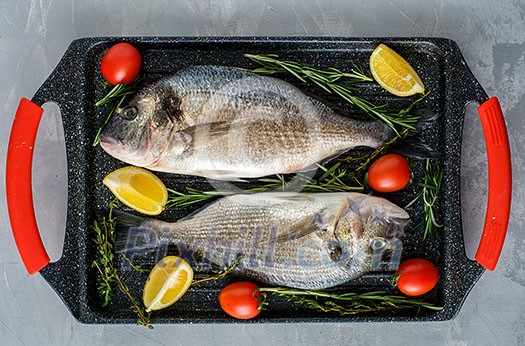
[
  {"x": 414, "y": 145},
  {"x": 134, "y": 233}
]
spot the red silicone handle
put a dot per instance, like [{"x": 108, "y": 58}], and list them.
[
  {"x": 19, "y": 188},
  {"x": 500, "y": 183}
]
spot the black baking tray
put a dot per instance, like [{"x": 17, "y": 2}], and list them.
[{"x": 75, "y": 85}]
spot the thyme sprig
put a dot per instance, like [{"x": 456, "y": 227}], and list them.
[
  {"x": 330, "y": 81},
  {"x": 114, "y": 99},
  {"x": 104, "y": 239},
  {"x": 136, "y": 306},
  {"x": 218, "y": 274},
  {"x": 105, "y": 264},
  {"x": 135, "y": 267},
  {"x": 346, "y": 303},
  {"x": 331, "y": 180},
  {"x": 429, "y": 193}
]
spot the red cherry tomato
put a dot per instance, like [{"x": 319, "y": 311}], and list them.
[
  {"x": 389, "y": 173},
  {"x": 121, "y": 64},
  {"x": 416, "y": 276},
  {"x": 238, "y": 300}
]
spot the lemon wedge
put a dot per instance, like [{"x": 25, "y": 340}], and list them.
[
  {"x": 167, "y": 283},
  {"x": 394, "y": 73},
  {"x": 138, "y": 188}
]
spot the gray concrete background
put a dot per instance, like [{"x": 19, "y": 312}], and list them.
[{"x": 34, "y": 35}]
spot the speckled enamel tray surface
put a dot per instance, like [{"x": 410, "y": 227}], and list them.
[{"x": 75, "y": 86}]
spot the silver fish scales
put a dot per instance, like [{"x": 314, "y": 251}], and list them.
[
  {"x": 307, "y": 241},
  {"x": 225, "y": 123}
]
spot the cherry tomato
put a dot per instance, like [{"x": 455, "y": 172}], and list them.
[
  {"x": 121, "y": 64},
  {"x": 416, "y": 276},
  {"x": 389, "y": 173},
  {"x": 238, "y": 300}
]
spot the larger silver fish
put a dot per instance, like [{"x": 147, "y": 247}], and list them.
[
  {"x": 226, "y": 123},
  {"x": 308, "y": 241}
]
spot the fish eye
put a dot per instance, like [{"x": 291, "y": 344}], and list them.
[
  {"x": 378, "y": 243},
  {"x": 129, "y": 113}
]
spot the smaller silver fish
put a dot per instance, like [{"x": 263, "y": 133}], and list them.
[{"x": 307, "y": 241}]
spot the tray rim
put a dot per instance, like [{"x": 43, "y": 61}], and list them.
[{"x": 85, "y": 314}]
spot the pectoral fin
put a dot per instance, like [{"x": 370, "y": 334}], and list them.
[
  {"x": 299, "y": 229},
  {"x": 214, "y": 129}
]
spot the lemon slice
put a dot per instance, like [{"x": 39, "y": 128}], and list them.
[
  {"x": 394, "y": 73},
  {"x": 138, "y": 188},
  {"x": 167, "y": 283}
]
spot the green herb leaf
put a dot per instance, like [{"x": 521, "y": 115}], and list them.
[
  {"x": 114, "y": 99},
  {"x": 332, "y": 180},
  {"x": 430, "y": 189},
  {"x": 219, "y": 274},
  {"x": 329, "y": 80},
  {"x": 346, "y": 303},
  {"x": 108, "y": 275}
]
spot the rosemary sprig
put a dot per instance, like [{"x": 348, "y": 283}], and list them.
[
  {"x": 328, "y": 81},
  {"x": 367, "y": 160},
  {"x": 430, "y": 188},
  {"x": 115, "y": 93},
  {"x": 346, "y": 303},
  {"x": 114, "y": 99},
  {"x": 303, "y": 71},
  {"x": 191, "y": 196},
  {"x": 105, "y": 237},
  {"x": 332, "y": 180},
  {"x": 394, "y": 279}
]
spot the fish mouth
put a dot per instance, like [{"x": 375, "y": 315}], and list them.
[
  {"x": 118, "y": 150},
  {"x": 111, "y": 145},
  {"x": 108, "y": 141},
  {"x": 114, "y": 147}
]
